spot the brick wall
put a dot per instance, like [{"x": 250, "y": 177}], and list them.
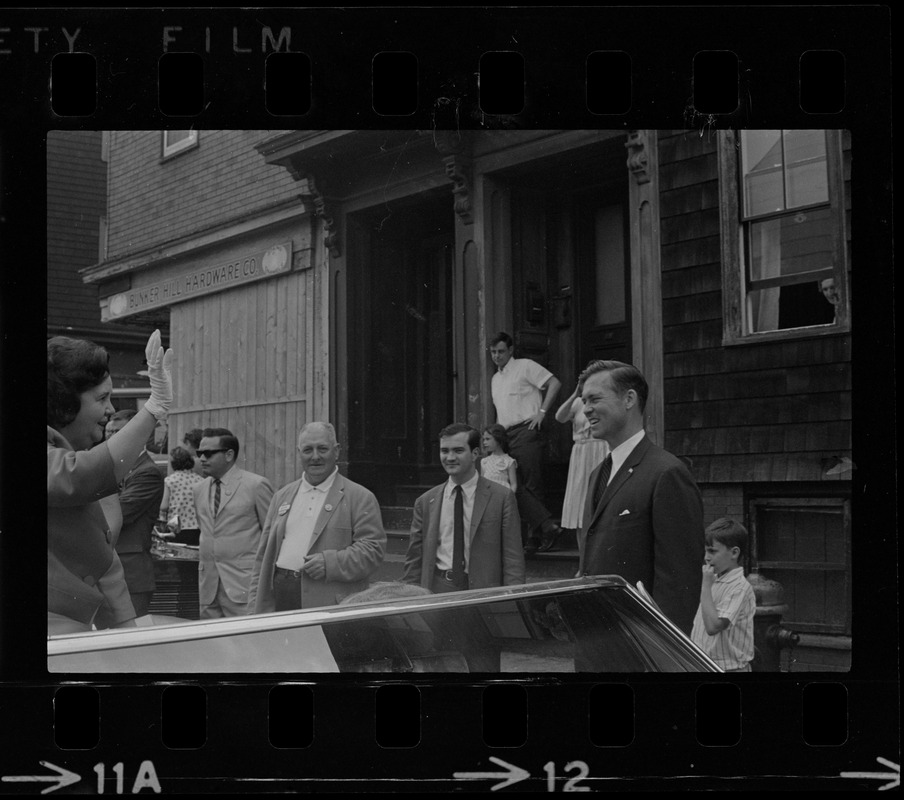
[
  {"x": 76, "y": 186},
  {"x": 152, "y": 201}
]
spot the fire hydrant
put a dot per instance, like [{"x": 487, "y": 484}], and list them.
[{"x": 769, "y": 637}]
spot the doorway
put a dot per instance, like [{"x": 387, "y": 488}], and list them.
[{"x": 401, "y": 363}]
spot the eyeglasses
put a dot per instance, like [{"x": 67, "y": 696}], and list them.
[{"x": 209, "y": 453}]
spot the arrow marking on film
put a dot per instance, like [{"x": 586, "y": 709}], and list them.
[
  {"x": 511, "y": 775},
  {"x": 882, "y": 776},
  {"x": 62, "y": 778}
]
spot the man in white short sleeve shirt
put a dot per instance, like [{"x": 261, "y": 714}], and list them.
[{"x": 523, "y": 392}]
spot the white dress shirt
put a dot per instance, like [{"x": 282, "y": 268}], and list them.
[
  {"x": 306, "y": 508},
  {"x": 517, "y": 391},
  {"x": 621, "y": 453},
  {"x": 447, "y": 521}
]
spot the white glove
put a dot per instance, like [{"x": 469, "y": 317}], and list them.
[{"x": 160, "y": 375}]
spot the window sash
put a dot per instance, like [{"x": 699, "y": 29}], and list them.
[
  {"x": 736, "y": 291},
  {"x": 173, "y": 144}
]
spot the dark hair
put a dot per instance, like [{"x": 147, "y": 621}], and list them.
[
  {"x": 180, "y": 458},
  {"x": 73, "y": 367},
  {"x": 460, "y": 427},
  {"x": 500, "y": 434},
  {"x": 226, "y": 437},
  {"x": 504, "y": 338},
  {"x": 728, "y": 532},
  {"x": 193, "y": 437},
  {"x": 624, "y": 377}
]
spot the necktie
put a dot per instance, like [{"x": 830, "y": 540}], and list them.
[
  {"x": 216, "y": 495},
  {"x": 458, "y": 538},
  {"x": 605, "y": 472}
]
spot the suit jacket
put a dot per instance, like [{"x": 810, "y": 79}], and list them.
[
  {"x": 139, "y": 499},
  {"x": 229, "y": 543},
  {"x": 648, "y": 527},
  {"x": 84, "y": 574},
  {"x": 349, "y": 532},
  {"x": 496, "y": 556}
]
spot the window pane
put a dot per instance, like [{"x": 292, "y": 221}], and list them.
[
  {"x": 791, "y": 244},
  {"x": 801, "y": 534},
  {"x": 171, "y": 138},
  {"x": 761, "y": 161},
  {"x": 806, "y": 177}
]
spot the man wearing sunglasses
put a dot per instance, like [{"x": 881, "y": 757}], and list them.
[{"x": 231, "y": 507}]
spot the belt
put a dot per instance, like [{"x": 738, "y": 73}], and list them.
[
  {"x": 288, "y": 573},
  {"x": 518, "y": 424},
  {"x": 446, "y": 575}
]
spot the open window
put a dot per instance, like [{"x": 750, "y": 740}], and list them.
[{"x": 784, "y": 241}]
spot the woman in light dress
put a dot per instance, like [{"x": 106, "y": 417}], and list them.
[{"x": 586, "y": 454}]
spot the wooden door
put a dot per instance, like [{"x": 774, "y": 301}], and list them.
[{"x": 602, "y": 276}]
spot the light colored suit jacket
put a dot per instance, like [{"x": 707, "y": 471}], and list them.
[
  {"x": 648, "y": 527},
  {"x": 228, "y": 543},
  {"x": 349, "y": 532},
  {"x": 496, "y": 556}
]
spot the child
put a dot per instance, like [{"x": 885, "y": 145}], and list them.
[
  {"x": 497, "y": 465},
  {"x": 723, "y": 627}
]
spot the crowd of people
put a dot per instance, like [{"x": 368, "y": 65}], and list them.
[{"x": 320, "y": 539}]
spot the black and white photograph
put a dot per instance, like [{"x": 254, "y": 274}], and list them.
[
  {"x": 448, "y": 400},
  {"x": 383, "y": 312}
]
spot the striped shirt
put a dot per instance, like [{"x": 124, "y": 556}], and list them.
[{"x": 731, "y": 648}]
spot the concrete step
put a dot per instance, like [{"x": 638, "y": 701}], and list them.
[{"x": 396, "y": 518}]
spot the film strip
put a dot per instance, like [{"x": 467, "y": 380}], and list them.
[{"x": 582, "y": 72}]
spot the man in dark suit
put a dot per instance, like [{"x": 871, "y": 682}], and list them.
[
  {"x": 140, "y": 496},
  {"x": 489, "y": 552},
  {"x": 644, "y": 512}
]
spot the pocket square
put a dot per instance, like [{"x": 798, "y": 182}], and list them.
[{"x": 625, "y": 513}]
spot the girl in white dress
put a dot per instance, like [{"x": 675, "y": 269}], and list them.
[
  {"x": 586, "y": 455},
  {"x": 497, "y": 465}
]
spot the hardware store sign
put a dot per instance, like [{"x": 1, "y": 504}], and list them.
[{"x": 201, "y": 281}]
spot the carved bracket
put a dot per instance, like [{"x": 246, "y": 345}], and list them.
[
  {"x": 637, "y": 156},
  {"x": 453, "y": 147},
  {"x": 317, "y": 199},
  {"x": 458, "y": 170}
]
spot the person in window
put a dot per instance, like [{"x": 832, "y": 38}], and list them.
[
  {"x": 830, "y": 292},
  {"x": 85, "y": 583}
]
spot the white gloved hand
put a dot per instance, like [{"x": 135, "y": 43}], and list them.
[{"x": 160, "y": 375}]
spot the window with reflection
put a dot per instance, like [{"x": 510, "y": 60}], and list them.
[{"x": 588, "y": 630}]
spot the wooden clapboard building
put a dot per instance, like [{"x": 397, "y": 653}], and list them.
[{"x": 358, "y": 276}]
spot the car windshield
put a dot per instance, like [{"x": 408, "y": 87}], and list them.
[{"x": 585, "y": 631}]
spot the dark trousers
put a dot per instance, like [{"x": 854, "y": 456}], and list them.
[
  {"x": 141, "y": 601},
  {"x": 526, "y": 447},
  {"x": 463, "y": 631},
  {"x": 287, "y": 590}
]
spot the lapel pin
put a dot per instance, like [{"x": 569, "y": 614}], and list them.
[
  {"x": 328, "y": 507},
  {"x": 283, "y": 509}
]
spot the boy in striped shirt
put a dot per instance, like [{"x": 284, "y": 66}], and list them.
[{"x": 723, "y": 626}]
